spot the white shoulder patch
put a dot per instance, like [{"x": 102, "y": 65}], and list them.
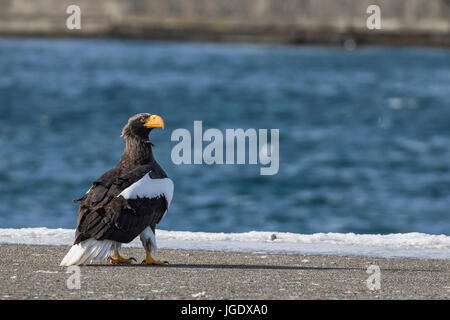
[{"x": 149, "y": 188}]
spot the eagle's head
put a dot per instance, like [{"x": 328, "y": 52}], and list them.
[{"x": 140, "y": 125}]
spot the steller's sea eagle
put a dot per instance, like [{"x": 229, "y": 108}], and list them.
[{"x": 124, "y": 202}]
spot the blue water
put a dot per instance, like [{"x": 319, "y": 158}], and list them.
[{"x": 364, "y": 135}]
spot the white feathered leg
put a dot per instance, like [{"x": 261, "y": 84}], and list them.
[{"x": 149, "y": 242}]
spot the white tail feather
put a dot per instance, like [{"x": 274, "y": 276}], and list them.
[{"x": 88, "y": 251}]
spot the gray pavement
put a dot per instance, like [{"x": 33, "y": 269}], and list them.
[{"x": 33, "y": 272}]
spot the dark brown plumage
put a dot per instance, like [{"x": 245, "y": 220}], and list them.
[
  {"x": 127, "y": 201},
  {"x": 103, "y": 214}
]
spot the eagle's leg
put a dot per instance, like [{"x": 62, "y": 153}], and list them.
[
  {"x": 150, "y": 261},
  {"x": 118, "y": 259}
]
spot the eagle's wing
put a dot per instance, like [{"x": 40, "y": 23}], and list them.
[{"x": 119, "y": 206}]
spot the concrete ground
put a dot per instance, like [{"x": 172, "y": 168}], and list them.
[{"x": 33, "y": 272}]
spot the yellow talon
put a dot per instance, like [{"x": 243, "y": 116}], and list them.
[
  {"x": 150, "y": 261},
  {"x": 119, "y": 260}
]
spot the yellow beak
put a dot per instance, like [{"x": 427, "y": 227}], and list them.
[{"x": 154, "y": 121}]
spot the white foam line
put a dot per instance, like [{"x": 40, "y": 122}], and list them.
[{"x": 404, "y": 245}]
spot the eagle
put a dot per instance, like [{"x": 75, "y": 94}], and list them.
[{"x": 125, "y": 202}]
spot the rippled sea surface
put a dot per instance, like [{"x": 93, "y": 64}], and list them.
[{"x": 364, "y": 135}]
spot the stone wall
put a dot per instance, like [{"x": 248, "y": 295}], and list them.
[{"x": 404, "y": 22}]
